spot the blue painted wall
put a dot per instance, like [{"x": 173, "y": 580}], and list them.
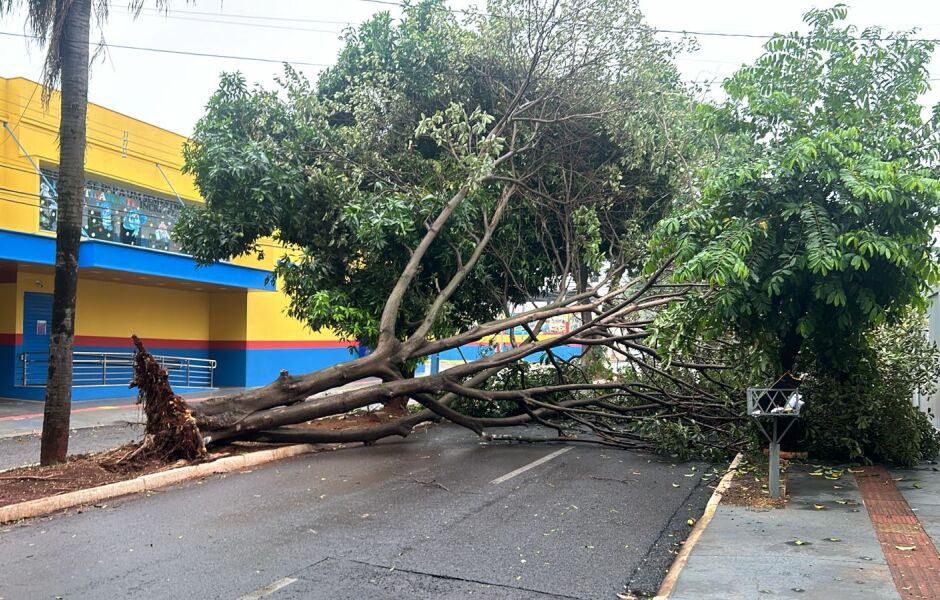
[
  {"x": 236, "y": 367},
  {"x": 475, "y": 351},
  {"x": 262, "y": 366}
]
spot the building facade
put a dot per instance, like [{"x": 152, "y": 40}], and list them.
[
  {"x": 216, "y": 326},
  {"x": 930, "y": 404}
]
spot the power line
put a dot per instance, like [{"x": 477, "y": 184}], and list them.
[
  {"x": 113, "y": 210},
  {"x": 158, "y": 194},
  {"x": 20, "y": 192},
  {"x": 793, "y": 35},
  {"x": 144, "y": 142},
  {"x": 20, "y": 169},
  {"x": 25, "y": 108},
  {"x": 185, "y": 52},
  {"x": 113, "y": 139},
  {"x": 158, "y": 11},
  {"x": 175, "y": 150},
  {"x": 12, "y": 201},
  {"x": 690, "y": 32},
  {"x": 255, "y": 25},
  {"x": 119, "y": 130},
  {"x": 85, "y": 205}
]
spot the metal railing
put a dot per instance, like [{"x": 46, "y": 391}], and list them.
[{"x": 116, "y": 368}]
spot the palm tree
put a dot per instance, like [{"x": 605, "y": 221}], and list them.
[{"x": 64, "y": 27}]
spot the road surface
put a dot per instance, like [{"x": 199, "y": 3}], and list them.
[{"x": 435, "y": 516}]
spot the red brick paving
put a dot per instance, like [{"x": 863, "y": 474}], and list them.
[{"x": 916, "y": 572}]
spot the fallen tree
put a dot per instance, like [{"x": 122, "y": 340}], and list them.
[
  {"x": 578, "y": 400},
  {"x": 423, "y": 205}
]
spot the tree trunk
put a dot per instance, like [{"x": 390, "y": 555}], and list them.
[
  {"x": 399, "y": 404},
  {"x": 71, "y": 186},
  {"x": 790, "y": 350}
]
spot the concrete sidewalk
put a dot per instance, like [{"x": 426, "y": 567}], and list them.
[
  {"x": 823, "y": 544},
  {"x": 96, "y": 425},
  {"x": 23, "y": 417}
]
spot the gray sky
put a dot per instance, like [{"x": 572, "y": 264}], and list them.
[{"x": 171, "y": 90}]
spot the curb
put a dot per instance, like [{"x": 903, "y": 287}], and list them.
[
  {"x": 678, "y": 564},
  {"x": 44, "y": 506}
]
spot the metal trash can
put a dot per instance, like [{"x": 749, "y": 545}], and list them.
[{"x": 775, "y": 409}]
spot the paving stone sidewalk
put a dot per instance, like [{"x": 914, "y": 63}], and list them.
[
  {"x": 918, "y": 572},
  {"x": 748, "y": 553}
]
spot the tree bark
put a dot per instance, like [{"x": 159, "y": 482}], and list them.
[
  {"x": 790, "y": 350},
  {"x": 399, "y": 404},
  {"x": 217, "y": 413},
  {"x": 74, "y": 105}
]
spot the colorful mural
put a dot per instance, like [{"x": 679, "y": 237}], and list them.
[
  {"x": 556, "y": 325},
  {"x": 115, "y": 214}
]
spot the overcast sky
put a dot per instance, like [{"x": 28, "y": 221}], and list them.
[{"x": 171, "y": 90}]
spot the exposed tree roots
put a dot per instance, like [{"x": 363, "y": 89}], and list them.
[{"x": 171, "y": 432}]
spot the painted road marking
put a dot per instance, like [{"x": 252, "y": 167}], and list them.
[
  {"x": 531, "y": 465},
  {"x": 269, "y": 589}
]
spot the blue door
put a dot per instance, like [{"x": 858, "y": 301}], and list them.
[{"x": 37, "y": 323}]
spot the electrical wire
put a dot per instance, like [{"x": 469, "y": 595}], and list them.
[
  {"x": 118, "y": 141},
  {"x": 161, "y": 11},
  {"x": 159, "y": 146},
  {"x": 255, "y": 25},
  {"x": 113, "y": 210},
  {"x": 726, "y": 34},
  {"x": 184, "y": 52}
]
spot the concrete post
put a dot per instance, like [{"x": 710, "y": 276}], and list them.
[{"x": 774, "y": 475}]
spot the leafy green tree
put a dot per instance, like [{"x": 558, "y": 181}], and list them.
[
  {"x": 814, "y": 220},
  {"x": 350, "y": 172},
  {"x": 865, "y": 409}
]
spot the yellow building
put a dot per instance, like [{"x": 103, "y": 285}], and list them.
[{"x": 217, "y": 325}]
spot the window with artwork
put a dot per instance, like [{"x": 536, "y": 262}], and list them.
[{"x": 115, "y": 214}]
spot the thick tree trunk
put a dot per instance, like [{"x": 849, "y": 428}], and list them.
[
  {"x": 399, "y": 404},
  {"x": 217, "y": 413},
  {"x": 74, "y": 105},
  {"x": 790, "y": 350}
]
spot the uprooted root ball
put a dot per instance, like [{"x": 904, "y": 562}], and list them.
[{"x": 171, "y": 432}]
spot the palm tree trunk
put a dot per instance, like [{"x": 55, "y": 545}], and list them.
[{"x": 71, "y": 187}]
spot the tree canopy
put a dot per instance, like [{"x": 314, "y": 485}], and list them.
[
  {"x": 814, "y": 221},
  {"x": 447, "y": 171},
  {"x": 431, "y": 186},
  {"x": 564, "y": 144}
]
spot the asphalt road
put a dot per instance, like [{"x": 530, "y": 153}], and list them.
[{"x": 435, "y": 516}]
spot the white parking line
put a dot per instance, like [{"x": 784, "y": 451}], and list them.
[
  {"x": 269, "y": 589},
  {"x": 531, "y": 465}
]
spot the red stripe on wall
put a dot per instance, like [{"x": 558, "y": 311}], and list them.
[
  {"x": 278, "y": 344},
  {"x": 102, "y": 340},
  {"x": 111, "y": 341}
]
